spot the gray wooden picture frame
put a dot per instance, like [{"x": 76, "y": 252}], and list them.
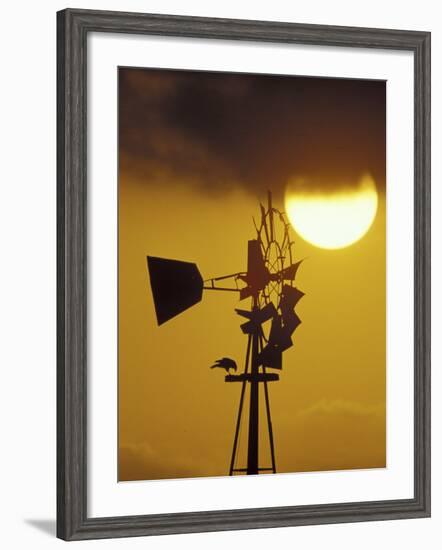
[{"x": 73, "y": 27}]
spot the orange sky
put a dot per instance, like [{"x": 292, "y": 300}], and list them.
[{"x": 176, "y": 416}]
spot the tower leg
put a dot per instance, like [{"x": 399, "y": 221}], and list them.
[
  {"x": 241, "y": 403},
  {"x": 252, "y": 458},
  {"x": 269, "y": 423},
  {"x": 269, "y": 420}
]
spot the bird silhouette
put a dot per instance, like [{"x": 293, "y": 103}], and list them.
[{"x": 225, "y": 363}]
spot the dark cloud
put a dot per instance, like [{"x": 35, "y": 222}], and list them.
[{"x": 219, "y": 130}]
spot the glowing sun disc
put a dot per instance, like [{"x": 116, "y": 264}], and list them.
[{"x": 332, "y": 220}]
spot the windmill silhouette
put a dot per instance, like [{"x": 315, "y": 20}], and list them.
[{"x": 269, "y": 323}]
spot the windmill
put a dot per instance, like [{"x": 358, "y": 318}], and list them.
[{"x": 269, "y": 323}]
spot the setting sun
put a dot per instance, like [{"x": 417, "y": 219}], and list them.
[{"x": 332, "y": 220}]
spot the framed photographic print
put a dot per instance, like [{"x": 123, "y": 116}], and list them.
[{"x": 243, "y": 274}]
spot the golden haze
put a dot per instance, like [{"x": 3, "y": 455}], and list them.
[{"x": 176, "y": 416}]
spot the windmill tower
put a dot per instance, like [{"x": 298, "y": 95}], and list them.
[{"x": 269, "y": 323}]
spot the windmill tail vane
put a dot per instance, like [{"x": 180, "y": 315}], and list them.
[{"x": 269, "y": 324}]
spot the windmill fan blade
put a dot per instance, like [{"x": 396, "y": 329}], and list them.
[
  {"x": 244, "y": 313},
  {"x": 270, "y": 357},
  {"x": 255, "y": 260},
  {"x": 176, "y": 286},
  {"x": 266, "y": 313},
  {"x": 290, "y": 297},
  {"x": 257, "y": 273},
  {"x": 291, "y": 322},
  {"x": 245, "y": 293},
  {"x": 280, "y": 336},
  {"x": 287, "y": 274},
  {"x": 257, "y": 317}
]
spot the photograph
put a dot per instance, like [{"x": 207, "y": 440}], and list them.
[{"x": 251, "y": 274}]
